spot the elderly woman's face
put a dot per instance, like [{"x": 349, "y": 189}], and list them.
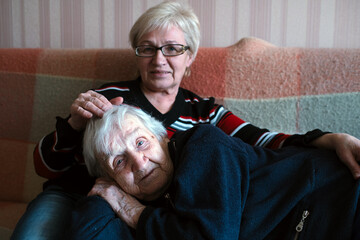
[
  {"x": 160, "y": 73},
  {"x": 139, "y": 163}
]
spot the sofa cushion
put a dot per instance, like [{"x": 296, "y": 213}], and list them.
[{"x": 10, "y": 213}]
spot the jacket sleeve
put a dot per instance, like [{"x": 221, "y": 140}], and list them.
[
  {"x": 58, "y": 151},
  {"x": 93, "y": 218}
]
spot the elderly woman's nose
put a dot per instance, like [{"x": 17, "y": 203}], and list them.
[{"x": 138, "y": 161}]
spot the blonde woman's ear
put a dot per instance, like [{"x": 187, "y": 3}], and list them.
[{"x": 187, "y": 72}]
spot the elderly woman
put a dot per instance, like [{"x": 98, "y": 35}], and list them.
[
  {"x": 203, "y": 184},
  {"x": 165, "y": 40}
]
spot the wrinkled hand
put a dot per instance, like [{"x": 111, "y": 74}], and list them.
[
  {"x": 347, "y": 148},
  {"x": 88, "y": 105},
  {"x": 125, "y": 206}
]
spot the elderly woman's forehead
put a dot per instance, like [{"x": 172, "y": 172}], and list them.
[
  {"x": 130, "y": 127},
  {"x": 130, "y": 123}
]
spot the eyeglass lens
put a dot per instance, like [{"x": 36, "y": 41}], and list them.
[{"x": 167, "y": 50}]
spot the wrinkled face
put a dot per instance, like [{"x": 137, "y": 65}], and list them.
[
  {"x": 160, "y": 73},
  {"x": 139, "y": 162}
]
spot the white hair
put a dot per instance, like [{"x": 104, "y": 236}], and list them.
[{"x": 98, "y": 135}]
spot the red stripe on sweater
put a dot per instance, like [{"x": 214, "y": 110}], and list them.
[
  {"x": 229, "y": 122},
  {"x": 40, "y": 167},
  {"x": 275, "y": 143}
]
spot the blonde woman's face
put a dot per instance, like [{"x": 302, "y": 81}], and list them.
[{"x": 160, "y": 73}]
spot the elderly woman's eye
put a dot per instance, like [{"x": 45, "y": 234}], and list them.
[
  {"x": 140, "y": 143},
  {"x": 118, "y": 161}
]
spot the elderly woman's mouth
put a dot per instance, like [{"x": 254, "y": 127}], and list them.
[{"x": 147, "y": 176}]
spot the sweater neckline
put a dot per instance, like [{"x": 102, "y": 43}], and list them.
[{"x": 167, "y": 118}]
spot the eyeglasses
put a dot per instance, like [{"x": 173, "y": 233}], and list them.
[{"x": 168, "y": 50}]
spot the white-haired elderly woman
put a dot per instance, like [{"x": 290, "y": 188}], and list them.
[
  {"x": 165, "y": 40},
  {"x": 197, "y": 186}
]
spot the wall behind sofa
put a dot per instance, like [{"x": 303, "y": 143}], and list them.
[{"x": 106, "y": 23}]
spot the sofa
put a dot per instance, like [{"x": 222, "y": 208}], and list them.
[{"x": 289, "y": 90}]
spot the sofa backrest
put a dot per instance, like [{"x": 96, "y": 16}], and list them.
[{"x": 283, "y": 89}]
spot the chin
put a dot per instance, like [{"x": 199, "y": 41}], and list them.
[
  {"x": 150, "y": 197},
  {"x": 153, "y": 194}
]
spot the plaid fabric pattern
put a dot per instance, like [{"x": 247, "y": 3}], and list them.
[{"x": 284, "y": 89}]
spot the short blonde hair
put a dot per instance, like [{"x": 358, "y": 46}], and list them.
[{"x": 166, "y": 15}]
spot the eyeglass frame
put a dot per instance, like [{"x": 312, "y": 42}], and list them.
[{"x": 184, "y": 49}]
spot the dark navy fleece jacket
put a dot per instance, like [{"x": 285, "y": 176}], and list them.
[{"x": 226, "y": 189}]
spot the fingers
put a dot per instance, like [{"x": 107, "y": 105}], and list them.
[
  {"x": 117, "y": 101},
  {"x": 348, "y": 150},
  {"x": 125, "y": 206},
  {"x": 100, "y": 183},
  {"x": 353, "y": 166},
  {"x": 91, "y": 103},
  {"x": 86, "y": 106},
  {"x": 103, "y": 187}
]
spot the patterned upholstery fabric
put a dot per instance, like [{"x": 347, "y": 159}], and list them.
[{"x": 283, "y": 89}]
